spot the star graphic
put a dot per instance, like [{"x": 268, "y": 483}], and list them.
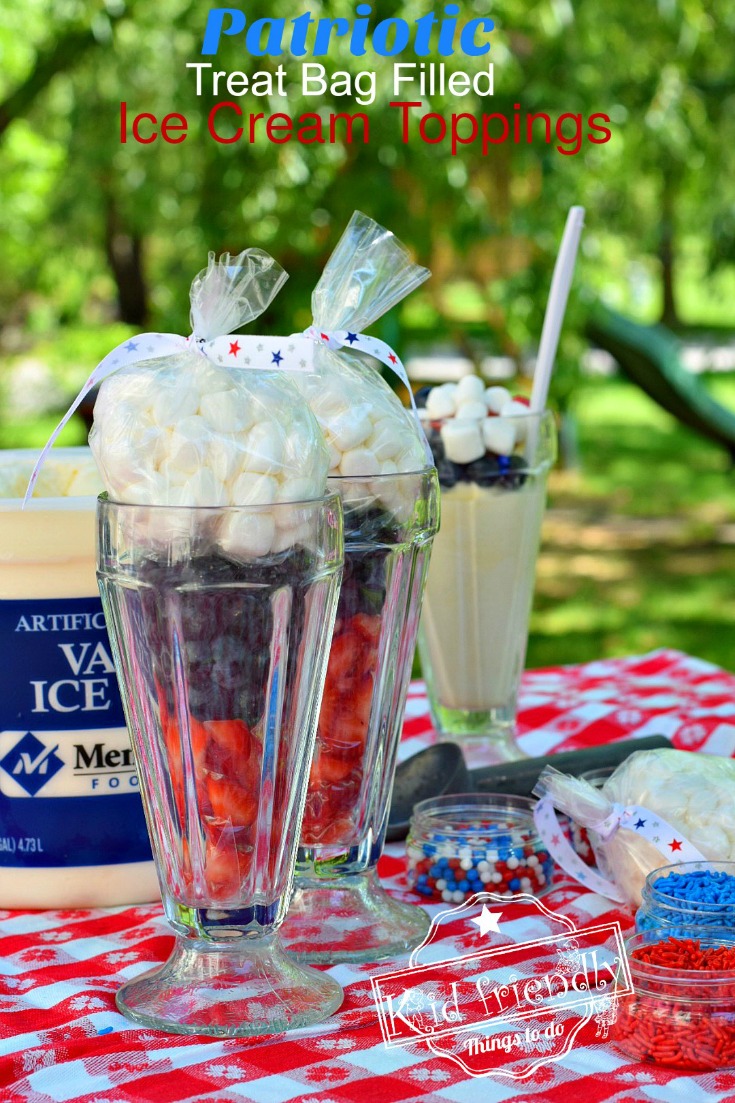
[
  {"x": 487, "y": 921},
  {"x": 131, "y": 346},
  {"x": 555, "y": 840},
  {"x": 234, "y": 348},
  {"x": 277, "y": 357},
  {"x": 675, "y": 844},
  {"x": 351, "y": 337},
  {"x": 393, "y": 358},
  {"x": 640, "y": 823}
]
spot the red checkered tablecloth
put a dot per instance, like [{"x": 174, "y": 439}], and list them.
[{"x": 61, "y": 1038}]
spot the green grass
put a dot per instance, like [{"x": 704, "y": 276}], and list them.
[{"x": 638, "y": 545}]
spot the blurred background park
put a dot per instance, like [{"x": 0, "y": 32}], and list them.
[{"x": 99, "y": 240}]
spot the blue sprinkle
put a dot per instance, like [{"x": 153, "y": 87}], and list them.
[
  {"x": 463, "y": 886},
  {"x": 514, "y": 885},
  {"x": 106, "y": 1030}
]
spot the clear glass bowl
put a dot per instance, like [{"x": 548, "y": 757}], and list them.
[
  {"x": 340, "y": 912},
  {"x": 221, "y": 658},
  {"x": 660, "y": 908},
  {"x": 476, "y": 842},
  {"x": 681, "y": 1018}
]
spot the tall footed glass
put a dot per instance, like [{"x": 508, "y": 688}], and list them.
[
  {"x": 339, "y": 911},
  {"x": 221, "y": 655},
  {"x": 474, "y": 627}
]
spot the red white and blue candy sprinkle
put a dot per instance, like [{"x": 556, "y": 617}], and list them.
[{"x": 480, "y": 854}]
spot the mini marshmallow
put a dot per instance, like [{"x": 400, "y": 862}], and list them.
[
  {"x": 350, "y": 429},
  {"x": 476, "y": 410},
  {"x": 462, "y": 441},
  {"x": 205, "y": 489},
  {"x": 519, "y": 412},
  {"x": 264, "y": 446},
  {"x": 409, "y": 461},
  {"x": 250, "y": 489},
  {"x": 470, "y": 389},
  {"x": 247, "y": 535},
  {"x": 225, "y": 458},
  {"x": 385, "y": 442},
  {"x": 185, "y": 456},
  {"x": 499, "y": 435},
  {"x": 441, "y": 402},
  {"x": 496, "y": 398},
  {"x": 225, "y": 411},
  {"x": 171, "y": 404},
  {"x": 297, "y": 490},
  {"x": 359, "y": 461}
]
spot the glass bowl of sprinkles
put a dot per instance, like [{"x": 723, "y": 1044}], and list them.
[
  {"x": 476, "y": 842},
  {"x": 689, "y": 894},
  {"x": 682, "y": 1011}
]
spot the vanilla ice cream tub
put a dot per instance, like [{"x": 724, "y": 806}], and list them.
[{"x": 72, "y": 829}]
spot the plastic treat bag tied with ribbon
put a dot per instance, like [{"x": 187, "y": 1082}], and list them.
[
  {"x": 367, "y": 429},
  {"x": 658, "y": 807},
  {"x": 213, "y": 419}
]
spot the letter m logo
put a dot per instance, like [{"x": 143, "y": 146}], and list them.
[{"x": 31, "y": 763}]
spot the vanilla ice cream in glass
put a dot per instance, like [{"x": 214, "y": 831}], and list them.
[{"x": 493, "y": 456}]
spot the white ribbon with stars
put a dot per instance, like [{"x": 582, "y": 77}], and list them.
[
  {"x": 633, "y": 817},
  {"x": 295, "y": 353}
]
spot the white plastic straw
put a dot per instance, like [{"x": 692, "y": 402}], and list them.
[{"x": 561, "y": 281}]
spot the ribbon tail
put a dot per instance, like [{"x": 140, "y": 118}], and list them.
[
  {"x": 120, "y": 357},
  {"x": 554, "y": 840}
]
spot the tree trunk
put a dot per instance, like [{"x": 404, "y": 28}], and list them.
[
  {"x": 125, "y": 256},
  {"x": 667, "y": 253}
]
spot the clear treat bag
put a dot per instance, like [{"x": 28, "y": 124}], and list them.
[
  {"x": 192, "y": 428},
  {"x": 657, "y": 807},
  {"x": 367, "y": 429}
]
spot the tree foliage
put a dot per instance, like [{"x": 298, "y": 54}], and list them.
[{"x": 92, "y": 229}]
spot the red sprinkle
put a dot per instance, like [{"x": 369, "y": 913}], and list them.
[{"x": 670, "y": 1021}]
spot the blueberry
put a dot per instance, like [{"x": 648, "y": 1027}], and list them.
[
  {"x": 421, "y": 395},
  {"x": 512, "y": 472},
  {"x": 449, "y": 473},
  {"x": 484, "y": 471}
]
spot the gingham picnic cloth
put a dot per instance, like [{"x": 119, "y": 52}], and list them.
[{"x": 61, "y": 1038}]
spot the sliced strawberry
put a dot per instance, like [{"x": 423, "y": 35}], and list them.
[
  {"x": 225, "y": 870},
  {"x": 326, "y": 769},
  {"x": 366, "y": 626},
  {"x": 230, "y": 802}
]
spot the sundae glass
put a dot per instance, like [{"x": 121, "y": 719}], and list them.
[
  {"x": 221, "y": 662},
  {"x": 340, "y": 911}
]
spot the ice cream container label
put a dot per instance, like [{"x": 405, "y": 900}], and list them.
[{"x": 65, "y": 755}]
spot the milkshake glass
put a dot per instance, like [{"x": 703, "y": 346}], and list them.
[
  {"x": 474, "y": 627},
  {"x": 221, "y": 662}
]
